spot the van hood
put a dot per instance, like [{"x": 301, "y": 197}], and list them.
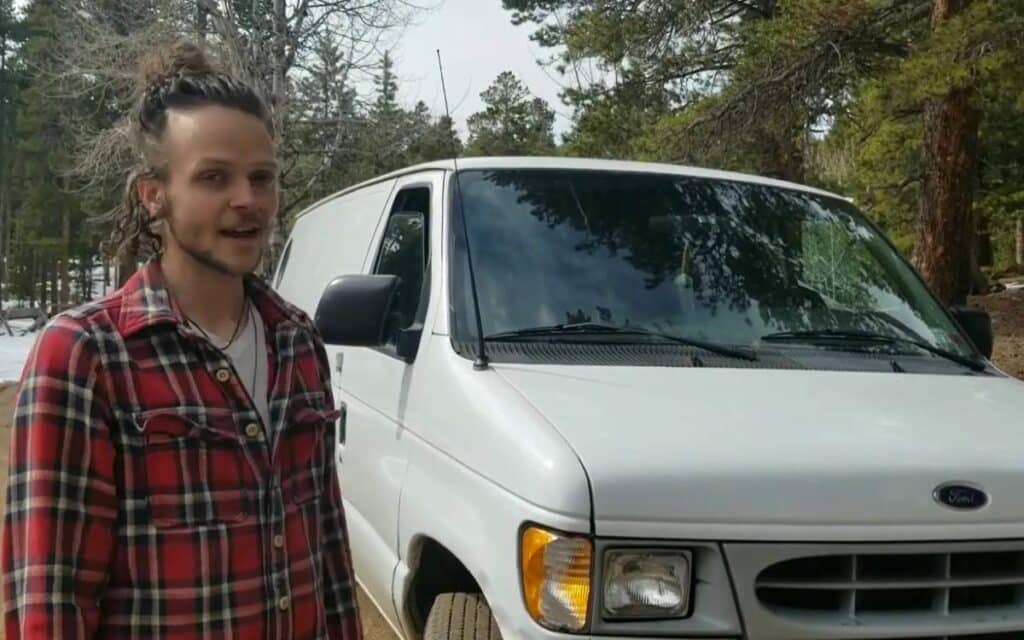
[{"x": 790, "y": 455}]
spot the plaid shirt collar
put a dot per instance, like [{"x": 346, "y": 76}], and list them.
[{"x": 145, "y": 302}]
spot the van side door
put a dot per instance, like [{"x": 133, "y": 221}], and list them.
[{"x": 374, "y": 383}]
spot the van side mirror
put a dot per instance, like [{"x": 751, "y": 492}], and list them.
[
  {"x": 354, "y": 309},
  {"x": 977, "y": 324}
]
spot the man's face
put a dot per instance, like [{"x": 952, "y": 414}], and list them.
[{"x": 220, "y": 196}]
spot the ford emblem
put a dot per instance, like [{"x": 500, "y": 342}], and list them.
[{"x": 960, "y": 496}]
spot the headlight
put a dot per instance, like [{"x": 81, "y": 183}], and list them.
[
  {"x": 556, "y": 578},
  {"x": 642, "y": 583}
]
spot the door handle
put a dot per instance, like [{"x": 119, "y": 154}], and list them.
[{"x": 341, "y": 425}]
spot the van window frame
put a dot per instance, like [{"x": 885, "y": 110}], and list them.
[
  {"x": 463, "y": 331},
  {"x": 391, "y": 350},
  {"x": 286, "y": 253}
]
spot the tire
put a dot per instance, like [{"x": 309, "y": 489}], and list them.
[{"x": 461, "y": 616}]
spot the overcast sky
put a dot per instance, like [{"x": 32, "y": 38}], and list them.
[{"x": 477, "y": 41}]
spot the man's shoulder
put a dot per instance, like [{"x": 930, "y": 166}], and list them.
[
  {"x": 87, "y": 321},
  {"x": 293, "y": 311},
  {"x": 303, "y": 319},
  {"x": 72, "y": 339},
  {"x": 306, "y": 325},
  {"x": 98, "y": 315}
]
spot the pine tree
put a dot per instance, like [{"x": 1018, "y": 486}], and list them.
[
  {"x": 435, "y": 139},
  {"x": 512, "y": 123},
  {"x": 48, "y": 223},
  {"x": 10, "y": 36},
  {"x": 386, "y": 104}
]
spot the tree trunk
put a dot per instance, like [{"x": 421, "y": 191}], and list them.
[
  {"x": 984, "y": 253},
  {"x": 58, "y": 283},
  {"x": 55, "y": 268},
  {"x": 1019, "y": 235},
  {"x": 31, "y": 280},
  {"x": 5, "y": 257},
  {"x": 202, "y": 21},
  {"x": 789, "y": 159},
  {"x": 784, "y": 152},
  {"x": 41, "y": 280},
  {"x": 944, "y": 246},
  {"x": 44, "y": 285},
  {"x": 278, "y": 91},
  {"x": 4, "y": 182},
  {"x": 65, "y": 261}
]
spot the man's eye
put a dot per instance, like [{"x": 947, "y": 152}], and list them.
[
  {"x": 263, "y": 177},
  {"x": 213, "y": 177}
]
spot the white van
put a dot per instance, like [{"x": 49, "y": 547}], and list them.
[{"x": 610, "y": 399}]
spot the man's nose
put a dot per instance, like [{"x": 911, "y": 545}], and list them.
[{"x": 243, "y": 194}]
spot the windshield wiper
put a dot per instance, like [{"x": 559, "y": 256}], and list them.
[
  {"x": 853, "y": 335},
  {"x": 592, "y": 328}
]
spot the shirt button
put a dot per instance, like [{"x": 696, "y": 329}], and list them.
[
  {"x": 253, "y": 430},
  {"x": 283, "y": 603},
  {"x": 278, "y": 541},
  {"x": 223, "y": 375}
]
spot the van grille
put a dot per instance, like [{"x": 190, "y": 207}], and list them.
[
  {"x": 1013, "y": 635},
  {"x": 973, "y": 636},
  {"x": 958, "y": 591},
  {"x": 933, "y": 582}
]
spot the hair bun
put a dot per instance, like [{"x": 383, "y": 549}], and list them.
[{"x": 180, "y": 58}]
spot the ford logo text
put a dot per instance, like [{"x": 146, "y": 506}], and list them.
[{"x": 960, "y": 496}]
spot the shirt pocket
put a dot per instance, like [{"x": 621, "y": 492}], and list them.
[
  {"x": 305, "y": 453},
  {"x": 196, "y": 473}
]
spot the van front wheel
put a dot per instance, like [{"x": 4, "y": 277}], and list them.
[{"x": 461, "y": 616}]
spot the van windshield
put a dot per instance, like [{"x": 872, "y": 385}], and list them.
[{"x": 721, "y": 261}]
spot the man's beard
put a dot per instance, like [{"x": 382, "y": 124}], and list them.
[{"x": 205, "y": 258}]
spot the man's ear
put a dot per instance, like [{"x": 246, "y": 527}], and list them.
[{"x": 151, "y": 194}]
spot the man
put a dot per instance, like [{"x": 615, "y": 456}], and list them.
[{"x": 171, "y": 470}]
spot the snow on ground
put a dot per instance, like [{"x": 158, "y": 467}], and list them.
[{"x": 14, "y": 350}]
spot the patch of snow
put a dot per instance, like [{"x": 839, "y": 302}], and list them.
[{"x": 14, "y": 350}]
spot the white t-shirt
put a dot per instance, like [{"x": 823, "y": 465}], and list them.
[{"x": 248, "y": 355}]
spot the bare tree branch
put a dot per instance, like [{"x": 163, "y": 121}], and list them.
[{"x": 274, "y": 52}]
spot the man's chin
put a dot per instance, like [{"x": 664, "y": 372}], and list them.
[
  {"x": 240, "y": 270},
  {"x": 237, "y": 267}
]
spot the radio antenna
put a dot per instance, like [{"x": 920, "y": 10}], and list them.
[{"x": 481, "y": 363}]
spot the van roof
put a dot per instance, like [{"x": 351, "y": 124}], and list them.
[{"x": 581, "y": 164}]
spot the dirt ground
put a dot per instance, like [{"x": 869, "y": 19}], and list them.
[{"x": 1007, "y": 309}]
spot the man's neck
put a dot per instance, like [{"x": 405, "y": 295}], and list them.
[{"x": 208, "y": 298}]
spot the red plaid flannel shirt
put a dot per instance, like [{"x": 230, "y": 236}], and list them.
[{"x": 145, "y": 501}]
